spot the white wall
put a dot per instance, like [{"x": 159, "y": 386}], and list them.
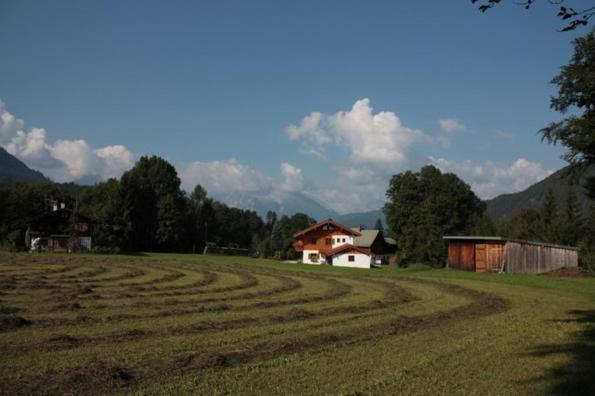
[
  {"x": 306, "y": 260},
  {"x": 348, "y": 240},
  {"x": 360, "y": 260}
]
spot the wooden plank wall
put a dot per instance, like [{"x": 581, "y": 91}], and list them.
[
  {"x": 525, "y": 257},
  {"x": 495, "y": 256},
  {"x": 461, "y": 255}
]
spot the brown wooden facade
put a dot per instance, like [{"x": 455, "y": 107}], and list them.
[
  {"x": 320, "y": 236},
  {"x": 496, "y": 254}
]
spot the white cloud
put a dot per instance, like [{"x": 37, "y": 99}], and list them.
[
  {"x": 451, "y": 125},
  {"x": 9, "y": 124},
  {"x": 312, "y": 129},
  {"x": 293, "y": 180},
  {"x": 354, "y": 189},
  {"x": 63, "y": 160},
  {"x": 224, "y": 176},
  {"x": 77, "y": 157},
  {"x": 490, "y": 179},
  {"x": 117, "y": 160},
  {"x": 377, "y": 139}
]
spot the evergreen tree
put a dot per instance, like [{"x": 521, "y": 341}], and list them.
[
  {"x": 573, "y": 221},
  {"x": 378, "y": 226},
  {"x": 553, "y": 225},
  {"x": 550, "y": 208}
]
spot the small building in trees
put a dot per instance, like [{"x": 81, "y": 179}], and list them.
[
  {"x": 61, "y": 230},
  {"x": 331, "y": 243},
  {"x": 498, "y": 254}
]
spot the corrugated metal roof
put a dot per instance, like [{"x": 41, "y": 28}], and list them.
[{"x": 499, "y": 238}]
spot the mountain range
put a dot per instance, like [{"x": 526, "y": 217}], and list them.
[
  {"x": 285, "y": 202},
  {"x": 13, "y": 170},
  {"x": 561, "y": 182}
]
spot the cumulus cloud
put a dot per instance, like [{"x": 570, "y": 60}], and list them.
[
  {"x": 377, "y": 139},
  {"x": 293, "y": 180},
  {"x": 224, "y": 176},
  {"x": 354, "y": 189},
  {"x": 63, "y": 160},
  {"x": 490, "y": 179},
  {"x": 451, "y": 125}
]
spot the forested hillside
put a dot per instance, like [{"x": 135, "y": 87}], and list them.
[
  {"x": 561, "y": 182},
  {"x": 13, "y": 170}
]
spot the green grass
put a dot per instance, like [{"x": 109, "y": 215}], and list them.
[{"x": 189, "y": 324}]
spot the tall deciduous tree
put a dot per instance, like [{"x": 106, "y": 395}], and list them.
[
  {"x": 576, "y": 91},
  {"x": 424, "y": 206},
  {"x": 103, "y": 202},
  {"x": 153, "y": 205},
  {"x": 572, "y": 17}
]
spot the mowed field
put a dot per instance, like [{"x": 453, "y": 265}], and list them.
[{"x": 190, "y": 324}]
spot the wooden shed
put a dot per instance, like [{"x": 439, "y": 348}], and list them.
[{"x": 497, "y": 254}]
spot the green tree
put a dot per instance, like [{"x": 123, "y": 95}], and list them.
[
  {"x": 572, "y": 17},
  {"x": 550, "y": 207},
  {"x": 526, "y": 224},
  {"x": 378, "y": 226},
  {"x": 553, "y": 224},
  {"x": 103, "y": 202},
  {"x": 576, "y": 91},
  {"x": 152, "y": 205},
  {"x": 573, "y": 220},
  {"x": 424, "y": 206}
]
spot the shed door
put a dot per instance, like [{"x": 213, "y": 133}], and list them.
[{"x": 480, "y": 257}]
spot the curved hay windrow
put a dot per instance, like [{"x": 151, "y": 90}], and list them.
[{"x": 115, "y": 323}]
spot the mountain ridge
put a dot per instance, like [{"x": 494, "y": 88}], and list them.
[
  {"x": 560, "y": 182},
  {"x": 13, "y": 170}
]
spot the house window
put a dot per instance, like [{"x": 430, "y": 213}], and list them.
[
  {"x": 350, "y": 258},
  {"x": 313, "y": 257},
  {"x": 328, "y": 241},
  {"x": 343, "y": 239}
]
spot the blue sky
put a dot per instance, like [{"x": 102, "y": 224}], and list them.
[{"x": 222, "y": 88}]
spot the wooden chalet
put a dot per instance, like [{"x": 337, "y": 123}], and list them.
[
  {"x": 497, "y": 254},
  {"x": 332, "y": 243},
  {"x": 61, "y": 231}
]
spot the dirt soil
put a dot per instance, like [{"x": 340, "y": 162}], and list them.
[{"x": 570, "y": 273}]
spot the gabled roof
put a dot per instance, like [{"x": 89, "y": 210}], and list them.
[
  {"x": 366, "y": 239},
  {"x": 345, "y": 247},
  {"x": 327, "y": 222}
]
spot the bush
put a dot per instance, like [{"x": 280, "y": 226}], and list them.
[{"x": 16, "y": 239}]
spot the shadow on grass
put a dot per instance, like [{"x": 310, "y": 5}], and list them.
[{"x": 577, "y": 377}]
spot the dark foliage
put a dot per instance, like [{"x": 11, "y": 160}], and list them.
[
  {"x": 576, "y": 91},
  {"x": 571, "y": 17},
  {"x": 424, "y": 206}
]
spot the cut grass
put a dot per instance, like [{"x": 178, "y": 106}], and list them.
[{"x": 188, "y": 324}]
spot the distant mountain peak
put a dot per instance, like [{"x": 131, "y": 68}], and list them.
[{"x": 283, "y": 202}]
